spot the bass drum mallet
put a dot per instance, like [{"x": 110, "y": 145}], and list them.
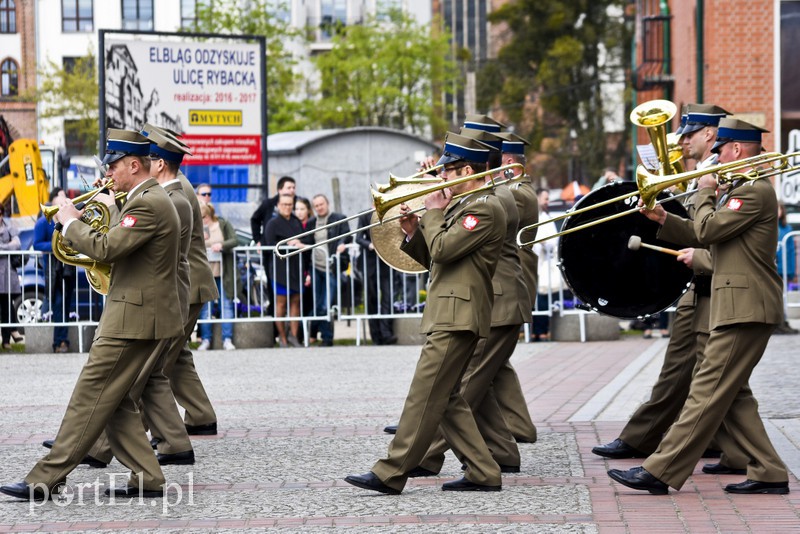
[{"x": 635, "y": 243}]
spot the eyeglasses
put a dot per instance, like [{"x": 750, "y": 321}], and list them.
[
  {"x": 454, "y": 168},
  {"x": 205, "y": 194}
]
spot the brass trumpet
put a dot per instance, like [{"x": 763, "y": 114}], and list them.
[{"x": 649, "y": 185}]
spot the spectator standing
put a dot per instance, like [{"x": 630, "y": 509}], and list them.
[
  {"x": 783, "y": 229},
  {"x": 60, "y": 277},
  {"x": 220, "y": 238},
  {"x": 258, "y": 225},
  {"x": 267, "y": 209},
  {"x": 287, "y": 272},
  {"x": 203, "y": 192},
  {"x": 302, "y": 210},
  {"x": 377, "y": 281},
  {"x": 9, "y": 281},
  {"x": 549, "y": 280},
  {"x": 324, "y": 263},
  {"x": 609, "y": 177},
  {"x": 791, "y": 261}
]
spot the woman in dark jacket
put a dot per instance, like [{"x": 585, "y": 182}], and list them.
[
  {"x": 286, "y": 273},
  {"x": 302, "y": 210}
]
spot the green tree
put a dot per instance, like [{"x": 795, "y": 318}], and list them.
[
  {"x": 558, "y": 55},
  {"x": 285, "y": 111},
  {"x": 385, "y": 73},
  {"x": 71, "y": 92}
]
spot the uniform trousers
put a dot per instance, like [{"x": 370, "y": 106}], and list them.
[
  {"x": 513, "y": 406},
  {"x": 151, "y": 390},
  {"x": 434, "y": 402},
  {"x": 720, "y": 393},
  {"x": 685, "y": 352},
  {"x": 476, "y": 388},
  {"x": 101, "y": 400},
  {"x": 646, "y": 427},
  {"x": 185, "y": 382}
]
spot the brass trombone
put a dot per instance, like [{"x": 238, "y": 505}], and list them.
[
  {"x": 394, "y": 181},
  {"x": 649, "y": 185},
  {"x": 384, "y": 203},
  {"x": 417, "y": 178}
]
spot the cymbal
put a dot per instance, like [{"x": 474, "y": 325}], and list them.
[{"x": 387, "y": 238}]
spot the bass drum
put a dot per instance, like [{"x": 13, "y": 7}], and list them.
[{"x": 607, "y": 276}]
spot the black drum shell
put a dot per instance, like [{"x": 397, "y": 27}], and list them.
[{"x": 607, "y": 276}]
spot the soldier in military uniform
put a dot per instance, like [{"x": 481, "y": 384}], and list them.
[
  {"x": 141, "y": 315},
  {"x": 507, "y": 391},
  {"x": 461, "y": 241},
  {"x": 507, "y": 388},
  {"x": 199, "y": 417},
  {"x": 510, "y": 309},
  {"x": 690, "y": 328},
  {"x": 740, "y": 227},
  {"x": 157, "y": 400}
]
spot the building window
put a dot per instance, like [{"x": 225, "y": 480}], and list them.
[
  {"x": 77, "y": 136},
  {"x": 189, "y": 12},
  {"x": 71, "y": 64},
  {"x": 8, "y": 16},
  {"x": 77, "y": 15},
  {"x": 334, "y": 17},
  {"x": 9, "y": 78},
  {"x": 137, "y": 14}
]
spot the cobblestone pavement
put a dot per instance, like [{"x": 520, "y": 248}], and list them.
[{"x": 294, "y": 422}]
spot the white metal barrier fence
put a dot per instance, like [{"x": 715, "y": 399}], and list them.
[
  {"x": 787, "y": 268},
  {"x": 353, "y": 288}
]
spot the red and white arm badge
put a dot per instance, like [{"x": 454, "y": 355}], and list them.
[
  {"x": 129, "y": 221},
  {"x": 734, "y": 204},
  {"x": 470, "y": 222}
]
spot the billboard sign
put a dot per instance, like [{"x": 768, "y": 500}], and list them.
[{"x": 211, "y": 91}]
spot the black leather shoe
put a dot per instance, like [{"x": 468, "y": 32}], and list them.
[
  {"x": 391, "y": 340},
  {"x": 370, "y": 481},
  {"x": 390, "y": 429},
  {"x": 754, "y": 486},
  {"x": 87, "y": 460},
  {"x": 462, "y": 484},
  {"x": 22, "y": 490},
  {"x": 503, "y": 468},
  {"x": 711, "y": 453},
  {"x": 93, "y": 462},
  {"x": 719, "y": 469},
  {"x": 420, "y": 471},
  {"x": 154, "y": 443},
  {"x": 202, "y": 430},
  {"x": 179, "y": 458},
  {"x": 618, "y": 450},
  {"x": 639, "y": 479},
  {"x": 130, "y": 491}
]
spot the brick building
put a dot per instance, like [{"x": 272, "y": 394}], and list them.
[
  {"x": 734, "y": 53},
  {"x": 18, "y": 66}
]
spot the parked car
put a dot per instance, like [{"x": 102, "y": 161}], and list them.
[{"x": 29, "y": 305}]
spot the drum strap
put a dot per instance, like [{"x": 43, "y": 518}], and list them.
[{"x": 702, "y": 285}]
